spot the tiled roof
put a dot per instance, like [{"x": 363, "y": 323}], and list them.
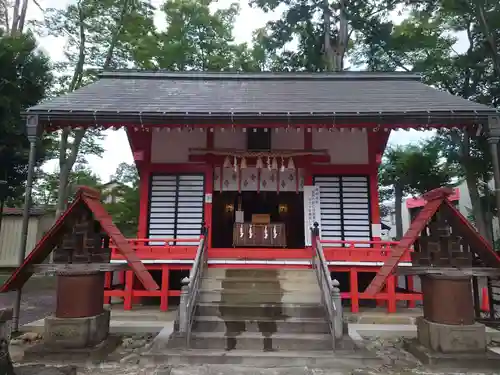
[{"x": 170, "y": 96}]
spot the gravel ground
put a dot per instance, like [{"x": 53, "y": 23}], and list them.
[
  {"x": 38, "y": 299},
  {"x": 397, "y": 362}
]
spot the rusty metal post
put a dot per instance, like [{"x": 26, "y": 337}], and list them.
[
  {"x": 26, "y": 217},
  {"x": 448, "y": 299},
  {"x": 87, "y": 302}
]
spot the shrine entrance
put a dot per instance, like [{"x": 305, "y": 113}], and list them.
[{"x": 258, "y": 219}]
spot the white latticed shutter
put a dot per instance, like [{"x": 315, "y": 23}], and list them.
[
  {"x": 345, "y": 208},
  {"x": 176, "y": 207}
]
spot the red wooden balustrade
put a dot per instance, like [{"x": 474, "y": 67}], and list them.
[{"x": 352, "y": 257}]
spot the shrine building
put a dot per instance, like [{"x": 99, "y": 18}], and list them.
[{"x": 257, "y": 158}]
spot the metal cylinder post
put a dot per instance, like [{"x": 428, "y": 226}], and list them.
[
  {"x": 25, "y": 223},
  {"x": 87, "y": 301},
  {"x": 448, "y": 299}
]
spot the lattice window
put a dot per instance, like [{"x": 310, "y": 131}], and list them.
[
  {"x": 176, "y": 207},
  {"x": 345, "y": 207}
]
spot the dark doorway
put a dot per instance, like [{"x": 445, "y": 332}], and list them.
[{"x": 225, "y": 204}]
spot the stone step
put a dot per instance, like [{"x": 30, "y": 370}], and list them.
[
  {"x": 296, "y": 310},
  {"x": 249, "y": 324},
  {"x": 244, "y": 283},
  {"x": 340, "y": 360},
  {"x": 236, "y": 296},
  {"x": 259, "y": 274},
  {"x": 255, "y": 341}
]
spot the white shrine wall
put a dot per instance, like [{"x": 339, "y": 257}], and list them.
[
  {"x": 173, "y": 146},
  {"x": 343, "y": 147}
]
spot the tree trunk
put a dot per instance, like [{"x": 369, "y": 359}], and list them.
[
  {"x": 477, "y": 210},
  {"x": 66, "y": 163},
  {"x": 62, "y": 192},
  {"x": 15, "y": 17},
  {"x": 327, "y": 24},
  {"x": 4, "y": 15},
  {"x": 67, "y": 158},
  {"x": 22, "y": 17},
  {"x": 398, "y": 202},
  {"x": 342, "y": 38},
  {"x": 471, "y": 180},
  {"x": 491, "y": 40}
]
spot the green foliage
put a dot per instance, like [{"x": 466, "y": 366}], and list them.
[
  {"x": 24, "y": 79},
  {"x": 416, "y": 168},
  {"x": 46, "y": 188},
  {"x": 102, "y": 34},
  {"x": 426, "y": 42},
  {"x": 413, "y": 170},
  {"x": 196, "y": 38},
  {"x": 124, "y": 199}
]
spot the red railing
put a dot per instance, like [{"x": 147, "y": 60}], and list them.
[
  {"x": 185, "y": 249},
  {"x": 358, "y": 256},
  {"x": 360, "y": 251},
  {"x": 149, "y": 248}
]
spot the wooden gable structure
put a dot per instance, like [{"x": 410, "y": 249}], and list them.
[
  {"x": 86, "y": 211},
  {"x": 472, "y": 245}
]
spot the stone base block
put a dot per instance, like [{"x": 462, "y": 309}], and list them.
[
  {"x": 45, "y": 370},
  {"x": 57, "y": 354},
  {"x": 76, "y": 332},
  {"x": 464, "y": 362},
  {"x": 445, "y": 338},
  {"x": 5, "y": 323}
]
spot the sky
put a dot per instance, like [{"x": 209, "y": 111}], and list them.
[{"x": 116, "y": 143}]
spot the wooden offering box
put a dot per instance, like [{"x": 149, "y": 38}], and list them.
[{"x": 262, "y": 235}]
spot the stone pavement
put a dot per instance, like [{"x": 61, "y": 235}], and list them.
[
  {"x": 35, "y": 303},
  {"x": 131, "y": 359},
  {"x": 238, "y": 370}
]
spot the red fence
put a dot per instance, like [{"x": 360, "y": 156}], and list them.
[
  {"x": 352, "y": 257},
  {"x": 349, "y": 251}
]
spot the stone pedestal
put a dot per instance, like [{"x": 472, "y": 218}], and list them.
[
  {"x": 5, "y": 331},
  {"x": 76, "y": 332},
  {"x": 5, "y": 323},
  {"x": 79, "y": 329},
  {"x": 448, "y": 338},
  {"x": 75, "y": 339},
  {"x": 447, "y": 334}
]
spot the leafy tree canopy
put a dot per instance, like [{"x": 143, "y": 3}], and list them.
[
  {"x": 413, "y": 170},
  {"x": 24, "y": 80},
  {"x": 124, "y": 203}
]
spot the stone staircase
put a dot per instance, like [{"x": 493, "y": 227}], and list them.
[
  {"x": 259, "y": 309},
  {"x": 262, "y": 316}
]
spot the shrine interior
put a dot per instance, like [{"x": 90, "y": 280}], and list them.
[{"x": 285, "y": 208}]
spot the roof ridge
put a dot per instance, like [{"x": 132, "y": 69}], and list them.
[{"x": 257, "y": 76}]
